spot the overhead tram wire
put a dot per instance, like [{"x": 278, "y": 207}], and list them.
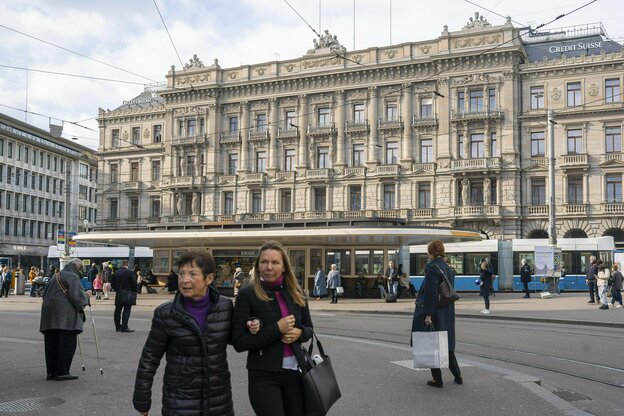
[
  {"x": 71, "y": 75},
  {"x": 497, "y": 14},
  {"x": 76, "y": 53}
]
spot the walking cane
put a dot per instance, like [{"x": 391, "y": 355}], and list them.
[
  {"x": 80, "y": 350},
  {"x": 97, "y": 347}
]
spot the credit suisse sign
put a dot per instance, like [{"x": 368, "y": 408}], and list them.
[{"x": 580, "y": 46}]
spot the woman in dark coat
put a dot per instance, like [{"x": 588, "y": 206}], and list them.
[
  {"x": 275, "y": 299},
  {"x": 62, "y": 319},
  {"x": 427, "y": 312},
  {"x": 485, "y": 286},
  {"x": 193, "y": 330}
]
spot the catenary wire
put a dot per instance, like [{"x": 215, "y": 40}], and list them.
[{"x": 66, "y": 74}]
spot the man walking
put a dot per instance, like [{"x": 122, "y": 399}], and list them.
[
  {"x": 525, "y": 277},
  {"x": 392, "y": 274},
  {"x": 125, "y": 286},
  {"x": 592, "y": 271}
]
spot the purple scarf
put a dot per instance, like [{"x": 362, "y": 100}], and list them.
[
  {"x": 198, "y": 309},
  {"x": 288, "y": 351}
]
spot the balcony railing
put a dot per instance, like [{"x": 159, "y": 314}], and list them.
[
  {"x": 287, "y": 132},
  {"x": 476, "y": 164},
  {"x": 354, "y": 214},
  {"x": 322, "y": 129},
  {"x": 187, "y": 180},
  {"x": 538, "y": 210},
  {"x": 570, "y": 161},
  {"x": 227, "y": 179},
  {"x": 478, "y": 211},
  {"x": 259, "y": 133},
  {"x": 423, "y": 213},
  {"x": 390, "y": 123},
  {"x": 285, "y": 176},
  {"x": 357, "y": 171},
  {"x": 195, "y": 139},
  {"x": 354, "y": 126},
  {"x": 257, "y": 177},
  {"x": 425, "y": 121},
  {"x": 317, "y": 174},
  {"x": 572, "y": 209},
  {"x": 613, "y": 207},
  {"x": 131, "y": 186},
  {"x": 424, "y": 167},
  {"x": 608, "y": 157},
  {"x": 391, "y": 170},
  {"x": 283, "y": 216},
  {"x": 229, "y": 137},
  {"x": 226, "y": 218},
  {"x": 538, "y": 161},
  {"x": 473, "y": 115}
]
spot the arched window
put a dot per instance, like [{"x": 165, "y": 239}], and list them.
[
  {"x": 538, "y": 234},
  {"x": 575, "y": 233},
  {"x": 616, "y": 233}
]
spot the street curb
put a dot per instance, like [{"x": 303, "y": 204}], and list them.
[{"x": 488, "y": 317}]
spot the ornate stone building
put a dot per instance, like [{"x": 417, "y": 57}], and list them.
[{"x": 448, "y": 131}]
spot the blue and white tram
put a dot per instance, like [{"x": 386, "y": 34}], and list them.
[
  {"x": 505, "y": 257},
  {"x": 143, "y": 256}
]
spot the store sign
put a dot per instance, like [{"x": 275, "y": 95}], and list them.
[{"x": 580, "y": 46}]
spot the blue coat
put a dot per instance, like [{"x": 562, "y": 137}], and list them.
[
  {"x": 320, "y": 284},
  {"x": 443, "y": 318},
  {"x": 333, "y": 279}
]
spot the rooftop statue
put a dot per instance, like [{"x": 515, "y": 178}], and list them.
[
  {"x": 326, "y": 43},
  {"x": 195, "y": 62},
  {"x": 477, "y": 21}
]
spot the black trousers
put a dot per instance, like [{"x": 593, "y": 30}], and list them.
[
  {"x": 334, "y": 295},
  {"x": 526, "y": 288},
  {"x": 5, "y": 289},
  {"x": 60, "y": 347},
  {"x": 122, "y": 317},
  {"x": 593, "y": 288},
  {"x": 436, "y": 373},
  {"x": 276, "y": 393}
]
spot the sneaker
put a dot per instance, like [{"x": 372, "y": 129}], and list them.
[
  {"x": 618, "y": 306},
  {"x": 591, "y": 301},
  {"x": 604, "y": 307},
  {"x": 485, "y": 311}
]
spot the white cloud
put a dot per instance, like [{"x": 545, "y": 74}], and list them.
[{"x": 129, "y": 34}]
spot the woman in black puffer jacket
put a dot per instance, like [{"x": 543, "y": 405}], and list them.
[{"x": 193, "y": 330}]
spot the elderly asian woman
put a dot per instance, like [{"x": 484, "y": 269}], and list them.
[{"x": 193, "y": 330}]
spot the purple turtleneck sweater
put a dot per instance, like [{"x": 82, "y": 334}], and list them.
[
  {"x": 198, "y": 309},
  {"x": 288, "y": 351}
]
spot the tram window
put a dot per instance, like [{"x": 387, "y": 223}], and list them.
[
  {"x": 316, "y": 260},
  {"x": 362, "y": 261},
  {"x": 161, "y": 261},
  {"x": 473, "y": 262},
  {"x": 584, "y": 261},
  {"x": 421, "y": 262},
  {"x": 605, "y": 256},
  {"x": 341, "y": 258},
  {"x": 530, "y": 258},
  {"x": 457, "y": 262},
  {"x": 566, "y": 263},
  {"x": 378, "y": 266}
]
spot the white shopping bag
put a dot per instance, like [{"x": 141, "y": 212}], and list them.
[{"x": 430, "y": 349}]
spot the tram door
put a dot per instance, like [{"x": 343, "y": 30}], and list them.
[{"x": 297, "y": 261}]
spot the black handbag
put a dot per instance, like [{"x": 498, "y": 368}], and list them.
[
  {"x": 446, "y": 292},
  {"x": 126, "y": 297},
  {"x": 320, "y": 387}
]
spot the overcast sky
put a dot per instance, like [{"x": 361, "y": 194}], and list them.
[{"x": 129, "y": 34}]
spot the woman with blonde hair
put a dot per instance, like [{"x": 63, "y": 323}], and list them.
[{"x": 275, "y": 299}]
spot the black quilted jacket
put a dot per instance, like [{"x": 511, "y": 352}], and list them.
[{"x": 197, "y": 379}]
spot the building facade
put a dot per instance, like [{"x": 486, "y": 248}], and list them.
[
  {"x": 443, "y": 132},
  {"x": 37, "y": 169}
]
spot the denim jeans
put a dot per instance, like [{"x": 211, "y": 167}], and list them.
[
  {"x": 392, "y": 287},
  {"x": 602, "y": 290},
  {"x": 382, "y": 291}
]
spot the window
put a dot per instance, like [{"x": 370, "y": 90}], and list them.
[
  {"x": 392, "y": 153},
  {"x": 114, "y": 173},
  {"x": 155, "y": 170},
  {"x": 358, "y": 155},
  {"x": 574, "y": 94},
  {"x": 190, "y": 165},
  {"x": 389, "y": 196},
  {"x": 493, "y": 145},
  {"x": 392, "y": 112},
  {"x": 256, "y": 202},
  {"x": 1, "y": 147},
  {"x": 477, "y": 149},
  {"x": 575, "y": 189},
  {"x": 461, "y": 150},
  {"x": 358, "y": 114},
  {"x": 191, "y": 126},
  {"x": 82, "y": 192},
  {"x": 612, "y": 90},
  {"x": 157, "y": 136},
  {"x": 134, "y": 171},
  {"x": 261, "y": 122},
  {"x": 320, "y": 199},
  {"x": 461, "y": 101},
  {"x": 493, "y": 192},
  {"x": 26, "y": 154},
  {"x": 614, "y": 188},
  {"x": 289, "y": 160},
  {"x": 613, "y": 139},
  {"x": 261, "y": 161},
  {"x": 10, "y": 150},
  {"x": 322, "y": 157},
  {"x": 113, "y": 208},
  {"x": 232, "y": 163},
  {"x": 424, "y": 195},
  {"x": 202, "y": 126},
  {"x": 538, "y": 143},
  {"x": 48, "y": 162},
  {"x": 233, "y": 124},
  {"x": 574, "y": 141},
  {"x": 136, "y": 135},
  {"x": 47, "y": 189},
  {"x": 323, "y": 117},
  {"x": 491, "y": 99},
  {"x": 134, "y": 208},
  {"x": 426, "y": 107},
  {"x": 285, "y": 200},
  {"x": 228, "y": 203},
  {"x": 181, "y": 128},
  {"x": 291, "y": 119},
  {"x": 40, "y": 159},
  {"x": 355, "y": 197},
  {"x": 537, "y": 97},
  {"x": 84, "y": 171},
  {"x": 476, "y": 100},
  {"x": 426, "y": 150},
  {"x": 476, "y": 193},
  {"x": 19, "y": 152},
  {"x": 82, "y": 212},
  {"x": 115, "y": 138}
]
